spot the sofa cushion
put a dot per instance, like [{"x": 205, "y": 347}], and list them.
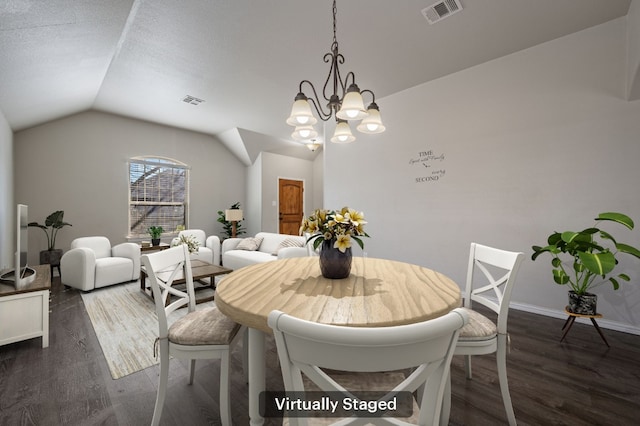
[
  {"x": 288, "y": 242},
  {"x": 251, "y": 243},
  {"x": 271, "y": 241},
  {"x": 236, "y": 259}
]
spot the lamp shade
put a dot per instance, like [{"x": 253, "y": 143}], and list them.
[
  {"x": 233, "y": 215},
  {"x": 342, "y": 133},
  {"x": 372, "y": 123},
  {"x": 312, "y": 145},
  {"x": 352, "y": 107},
  {"x": 303, "y": 133},
  {"x": 301, "y": 113}
]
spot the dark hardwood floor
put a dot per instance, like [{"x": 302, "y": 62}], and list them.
[{"x": 577, "y": 382}]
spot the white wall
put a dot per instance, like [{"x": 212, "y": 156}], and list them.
[
  {"x": 7, "y": 207},
  {"x": 79, "y": 165},
  {"x": 318, "y": 186},
  {"x": 633, "y": 51},
  {"x": 537, "y": 141}
]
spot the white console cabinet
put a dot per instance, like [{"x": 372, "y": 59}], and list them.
[{"x": 24, "y": 313}]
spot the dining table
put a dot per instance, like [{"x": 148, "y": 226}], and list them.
[{"x": 377, "y": 293}]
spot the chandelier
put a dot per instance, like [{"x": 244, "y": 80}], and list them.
[{"x": 345, "y": 102}]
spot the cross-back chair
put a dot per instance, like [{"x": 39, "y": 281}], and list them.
[
  {"x": 199, "y": 334},
  {"x": 425, "y": 348},
  {"x": 491, "y": 275}
]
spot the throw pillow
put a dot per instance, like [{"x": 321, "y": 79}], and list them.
[
  {"x": 289, "y": 242},
  {"x": 250, "y": 244}
]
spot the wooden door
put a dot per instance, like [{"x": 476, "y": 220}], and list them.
[{"x": 290, "y": 210}]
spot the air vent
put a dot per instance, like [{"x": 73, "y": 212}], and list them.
[
  {"x": 192, "y": 100},
  {"x": 443, "y": 9}
]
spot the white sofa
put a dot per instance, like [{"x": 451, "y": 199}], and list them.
[
  {"x": 209, "y": 249},
  {"x": 93, "y": 263},
  {"x": 269, "y": 250}
]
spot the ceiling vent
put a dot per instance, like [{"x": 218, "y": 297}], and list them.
[
  {"x": 192, "y": 100},
  {"x": 443, "y": 9}
]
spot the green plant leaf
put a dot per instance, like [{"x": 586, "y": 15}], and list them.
[
  {"x": 614, "y": 283},
  {"x": 560, "y": 277},
  {"x": 359, "y": 241},
  {"x": 620, "y": 218},
  {"x": 625, "y": 248},
  {"x": 556, "y": 262},
  {"x": 624, "y": 277},
  {"x": 598, "y": 263}
]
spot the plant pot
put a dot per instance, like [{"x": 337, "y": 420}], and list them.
[
  {"x": 155, "y": 241},
  {"x": 50, "y": 257},
  {"x": 334, "y": 264},
  {"x": 583, "y": 304}
]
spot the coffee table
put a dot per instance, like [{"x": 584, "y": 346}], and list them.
[{"x": 200, "y": 270}]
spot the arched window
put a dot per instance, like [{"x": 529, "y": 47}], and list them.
[{"x": 158, "y": 195}]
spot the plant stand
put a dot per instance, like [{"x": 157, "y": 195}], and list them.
[{"x": 572, "y": 318}]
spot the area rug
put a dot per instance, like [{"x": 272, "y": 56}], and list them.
[{"x": 126, "y": 325}]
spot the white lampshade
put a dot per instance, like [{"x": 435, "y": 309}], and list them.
[
  {"x": 352, "y": 107},
  {"x": 312, "y": 145},
  {"x": 303, "y": 133},
  {"x": 233, "y": 215},
  {"x": 301, "y": 114},
  {"x": 343, "y": 133},
  {"x": 372, "y": 123}
]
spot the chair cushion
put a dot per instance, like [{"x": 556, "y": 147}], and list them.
[
  {"x": 478, "y": 328},
  {"x": 207, "y": 326},
  {"x": 113, "y": 270}
]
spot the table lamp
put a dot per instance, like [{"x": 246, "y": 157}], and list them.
[{"x": 233, "y": 216}]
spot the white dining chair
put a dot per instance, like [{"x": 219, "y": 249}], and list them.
[
  {"x": 199, "y": 334},
  {"x": 481, "y": 335},
  {"x": 424, "y": 349}
]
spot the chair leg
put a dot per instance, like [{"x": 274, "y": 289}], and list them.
[
  {"x": 245, "y": 356},
  {"x": 467, "y": 366},
  {"x": 162, "y": 385},
  {"x": 225, "y": 404},
  {"x": 192, "y": 370},
  {"x": 445, "y": 413},
  {"x": 501, "y": 358}
]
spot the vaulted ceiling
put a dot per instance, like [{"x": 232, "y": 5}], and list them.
[{"x": 245, "y": 58}]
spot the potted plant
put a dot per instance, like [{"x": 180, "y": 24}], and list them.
[
  {"x": 227, "y": 225},
  {"x": 52, "y": 224},
  {"x": 156, "y": 233},
  {"x": 586, "y": 259}
]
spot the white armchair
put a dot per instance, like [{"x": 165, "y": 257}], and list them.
[
  {"x": 209, "y": 247},
  {"x": 93, "y": 263}
]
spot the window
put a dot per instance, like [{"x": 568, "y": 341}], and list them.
[{"x": 158, "y": 194}]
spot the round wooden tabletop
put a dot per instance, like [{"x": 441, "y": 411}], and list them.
[{"x": 378, "y": 293}]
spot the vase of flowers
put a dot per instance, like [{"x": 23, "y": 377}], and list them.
[{"x": 333, "y": 231}]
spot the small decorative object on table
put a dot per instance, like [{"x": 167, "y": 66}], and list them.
[
  {"x": 156, "y": 233},
  {"x": 335, "y": 230},
  {"x": 587, "y": 258},
  {"x": 189, "y": 240}
]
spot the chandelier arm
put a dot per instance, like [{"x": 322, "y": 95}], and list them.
[
  {"x": 362, "y": 92},
  {"x": 315, "y": 101}
]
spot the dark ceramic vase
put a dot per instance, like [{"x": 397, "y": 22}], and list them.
[
  {"x": 155, "y": 241},
  {"x": 334, "y": 264},
  {"x": 583, "y": 304}
]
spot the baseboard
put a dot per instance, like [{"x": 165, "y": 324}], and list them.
[{"x": 603, "y": 323}]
